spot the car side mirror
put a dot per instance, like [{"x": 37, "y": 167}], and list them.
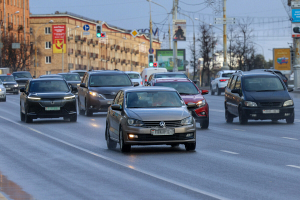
[
  {"x": 191, "y": 105},
  {"x": 135, "y": 84},
  {"x": 82, "y": 84},
  {"x": 290, "y": 89},
  {"x": 33, "y": 77},
  {"x": 204, "y": 92},
  {"x": 116, "y": 107},
  {"x": 74, "y": 89},
  {"x": 195, "y": 81},
  {"x": 22, "y": 90}
]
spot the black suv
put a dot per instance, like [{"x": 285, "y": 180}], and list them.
[
  {"x": 9, "y": 83},
  {"x": 47, "y": 98},
  {"x": 22, "y": 77},
  {"x": 98, "y": 89},
  {"x": 258, "y": 95}
]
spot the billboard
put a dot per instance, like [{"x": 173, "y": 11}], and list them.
[
  {"x": 295, "y": 15},
  {"x": 164, "y": 58},
  {"x": 179, "y": 30},
  {"x": 282, "y": 59},
  {"x": 59, "y": 38}
]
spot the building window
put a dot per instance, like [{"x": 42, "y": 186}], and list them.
[
  {"x": 47, "y": 30},
  {"x": 48, "y": 59},
  {"x": 48, "y": 72},
  {"x": 48, "y": 45}
]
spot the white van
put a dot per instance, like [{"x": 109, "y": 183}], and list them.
[{"x": 148, "y": 71}]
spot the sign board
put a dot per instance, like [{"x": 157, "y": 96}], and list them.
[
  {"x": 295, "y": 4},
  {"x": 86, "y": 27},
  {"x": 164, "y": 58},
  {"x": 134, "y": 33},
  {"x": 151, "y": 51},
  {"x": 179, "y": 30},
  {"x": 86, "y": 33},
  {"x": 295, "y": 30},
  {"x": 224, "y": 20},
  {"x": 282, "y": 59},
  {"x": 59, "y": 38},
  {"x": 295, "y": 15},
  {"x": 15, "y": 45}
]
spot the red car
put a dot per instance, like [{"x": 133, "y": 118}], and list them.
[{"x": 190, "y": 93}]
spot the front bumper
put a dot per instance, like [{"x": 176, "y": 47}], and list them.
[
  {"x": 97, "y": 104},
  {"x": 257, "y": 113},
  {"x": 12, "y": 89},
  {"x": 2, "y": 94}
]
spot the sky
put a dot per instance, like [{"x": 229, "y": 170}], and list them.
[{"x": 270, "y": 21}]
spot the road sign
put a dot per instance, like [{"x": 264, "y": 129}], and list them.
[
  {"x": 296, "y": 15},
  {"x": 15, "y": 45},
  {"x": 295, "y": 4},
  {"x": 186, "y": 63},
  {"x": 86, "y": 27},
  {"x": 151, "y": 51},
  {"x": 134, "y": 33},
  {"x": 86, "y": 33}
]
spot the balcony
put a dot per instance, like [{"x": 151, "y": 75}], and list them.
[
  {"x": 108, "y": 58},
  {"x": 83, "y": 40},
  {"x": 70, "y": 37},
  {"x": 70, "y": 51},
  {"x": 77, "y": 38},
  {"x": 20, "y": 28},
  {"x": 10, "y": 26}
]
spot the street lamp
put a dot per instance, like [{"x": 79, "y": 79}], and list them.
[
  {"x": 131, "y": 54},
  {"x": 66, "y": 45},
  {"x": 35, "y": 72}
]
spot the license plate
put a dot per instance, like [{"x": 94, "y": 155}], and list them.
[
  {"x": 270, "y": 111},
  {"x": 163, "y": 131},
  {"x": 8, "y": 88},
  {"x": 52, "y": 108}
]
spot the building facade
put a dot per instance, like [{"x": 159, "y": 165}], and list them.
[{"x": 82, "y": 49}]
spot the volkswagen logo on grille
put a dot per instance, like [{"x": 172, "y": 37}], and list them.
[
  {"x": 52, "y": 102},
  {"x": 162, "y": 124}
]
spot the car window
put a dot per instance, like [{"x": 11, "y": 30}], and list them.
[
  {"x": 232, "y": 84},
  {"x": 71, "y": 77},
  {"x": 121, "y": 99},
  {"x": 117, "y": 98},
  {"x": 80, "y": 73},
  {"x": 238, "y": 83},
  {"x": 27, "y": 86},
  {"x": 229, "y": 82},
  {"x": 153, "y": 99},
  {"x": 181, "y": 87},
  {"x": 49, "y": 86},
  {"x": 86, "y": 79},
  {"x": 22, "y": 75},
  {"x": 134, "y": 76},
  {"x": 7, "y": 78},
  {"x": 227, "y": 74},
  {"x": 150, "y": 78},
  {"x": 110, "y": 80},
  {"x": 262, "y": 83}
]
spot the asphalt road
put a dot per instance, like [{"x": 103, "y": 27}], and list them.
[{"x": 53, "y": 159}]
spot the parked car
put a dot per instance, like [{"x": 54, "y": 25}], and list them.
[
  {"x": 51, "y": 76},
  {"x": 190, "y": 93},
  {"x": 47, "y": 98},
  {"x": 258, "y": 95},
  {"x": 173, "y": 75},
  {"x": 9, "y": 83},
  {"x": 2, "y": 92},
  {"x": 135, "y": 77},
  {"x": 278, "y": 72},
  {"x": 73, "y": 80},
  {"x": 149, "y": 116},
  {"x": 80, "y": 72},
  {"x": 98, "y": 89},
  {"x": 146, "y": 73},
  {"x": 22, "y": 77},
  {"x": 220, "y": 81}
]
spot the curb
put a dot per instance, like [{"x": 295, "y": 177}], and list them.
[{"x": 2, "y": 197}]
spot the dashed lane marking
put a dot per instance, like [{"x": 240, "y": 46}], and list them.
[
  {"x": 230, "y": 152},
  {"x": 290, "y": 138},
  {"x": 294, "y": 166}
]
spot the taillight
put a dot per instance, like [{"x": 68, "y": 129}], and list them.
[
  {"x": 223, "y": 80},
  {"x": 285, "y": 81}
]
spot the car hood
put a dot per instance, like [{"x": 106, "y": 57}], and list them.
[
  {"x": 9, "y": 83},
  {"x": 51, "y": 95},
  {"x": 192, "y": 98},
  {"x": 107, "y": 90},
  {"x": 267, "y": 96},
  {"x": 158, "y": 114}
]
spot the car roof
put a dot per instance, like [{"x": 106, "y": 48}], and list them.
[
  {"x": 47, "y": 79},
  {"x": 255, "y": 73},
  {"x": 78, "y": 71},
  {"x": 105, "y": 72},
  {"x": 228, "y": 71},
  {"x": 168, "y": 73},
  {"x": 5, "y": 75},
  {"x": 67, "y": 73},
  {"x": 21, "y": 72},
  {"x": 141, "y": 89},
  {"x": 132, "y": 72},
  {"x": 168, "y": 80}
]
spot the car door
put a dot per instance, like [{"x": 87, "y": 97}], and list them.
[
  {"x": 113, "y": 118},
  {"x": 237, "y": 98},
  {"x": 230, "y": 96}
]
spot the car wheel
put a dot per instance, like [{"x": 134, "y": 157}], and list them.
[
  {"x": 109, "y": 142},
  {"x": 87, "y": 112},
  {"x": 123, "y": 147},
  {"x": 291, "y": 119},
  {"x": 218, "y": 90},
  {"x": 4, "y": 100},
  {"x": 242, "y": 118},
  {"x": 190, "y": 146},
  {"x": 204, "y": 124},
  {"x": 27, "y": 119},
  {"x": 211, "y": 90},
  {"x": 22, "y": 115},
  {"x": 73, "y": 118},
  {"x": 228, "y": 116}
]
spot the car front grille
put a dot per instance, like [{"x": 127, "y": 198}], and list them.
[
  {"x": 148, "y": 137},
  {"x": 109, "y": 96},
  {"x": 157, "y": 123},
  {"x": 270, "y": 104}
]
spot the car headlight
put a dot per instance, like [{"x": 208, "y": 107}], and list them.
[
  {"x": 69, "y": 97},
  {"x": 95, "y": 94},
  {"x": 187, "y": 121},
  {"x": 250, "y": 104},
  {"x": 34, "y": 98},
  {"x": 16, "y": 85},
  {"x": 0, "y": 89},
  {"x": 201, "y": 103},
  {"x": 135, "y": 122},
  {"x": 288, "y": 103},
  {"x": 78, "y": 84}
]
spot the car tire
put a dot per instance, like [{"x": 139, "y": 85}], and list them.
[
  {"x": 212, "y": 90},
  {"x": 27, "y": 119},
  {"x": 22, "y": 115},
  {"x": 228, "y": 116},
  {"x": 123, "y": 147},
  {"x": 190, "y": 146},
  {"x": 242, "y": 118},
  {"x": 87, "y": 112},
  {"x": 204, "y": 124},
  {"x": 109, "y": 142},
  {"x": 73, "y": 118},
  {"x": 291, "y": 119},
  {"x": 218, "y": 91}
]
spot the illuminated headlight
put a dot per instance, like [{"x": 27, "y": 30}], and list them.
[
  {"x": 201, "y": 103},
  {"x": 95, "y": 94},
  {"x": 69, "y": 97},
  {"x": 288, "y": 103},
  {"x": 187, "y": 121},
  {"x": 16, "y": 85},
  {"x": 135, "y": 122},
  {"x": 0, "y": 89},
  {"x": 78, "y": 84},
  {"x": 34, "y": 98},
  {"x": 250, "y": 104}
]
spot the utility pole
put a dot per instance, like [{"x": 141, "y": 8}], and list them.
[
  {"x": 25, "y": 49},
  {"x": 175, "y": 8},
  {"x": 150, "y": 30},
  {"x": 225, "y": 64}
]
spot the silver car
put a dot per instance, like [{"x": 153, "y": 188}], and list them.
[
  {"x": 2, "y": 92},
  {"x": 135, "y": 77},
  {"x": 149, "y": 116}
]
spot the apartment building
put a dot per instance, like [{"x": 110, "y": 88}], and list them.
[{"x": 82, "y": 50}]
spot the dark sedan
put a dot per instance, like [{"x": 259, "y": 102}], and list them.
[
  {"x": 22, "y": 77},
  {"x": 47, "y": 98},
  {"x": 73, "y": 79},
  {"x": 10, "y": 83}
]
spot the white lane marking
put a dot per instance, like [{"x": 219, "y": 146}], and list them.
[
  {"x": 229, "y": 152},
  {"x": 216, "y": 110},
  {"x": 238, "y": 130},
  {"x": 294, "y": 166},
  {"x": 123, "y": 164},
  {"x": 289, "y": 138}
]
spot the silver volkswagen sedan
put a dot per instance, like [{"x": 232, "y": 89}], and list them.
[{"x": 149, "y": 116}]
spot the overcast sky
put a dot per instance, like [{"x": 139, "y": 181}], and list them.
[{"x": 269, "y": 18}]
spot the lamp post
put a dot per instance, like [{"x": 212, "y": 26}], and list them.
[
  {"x": 131, "y": 54},
  {"x": 35, "y": 72},
  {"x": 124, "y": 38},
  {"x": 66, "y": 45}
]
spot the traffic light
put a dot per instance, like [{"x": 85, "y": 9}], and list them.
[
  {"x": 155, "y": 64},
  {"x": 151, "y": 60},
  {"x": 98, "y": 30}
]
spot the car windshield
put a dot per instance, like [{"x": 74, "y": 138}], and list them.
[
  {"x": 109, "y": 80},
  {"x": 7, "y": 78},
  {"x": 153, "y": 99},
  {"x": 182, "y": 87},
  {"x": 22, "y": 75},
  {"x": 48, "y": 86},
  {"x": 227, "y": 75},
  {"x": 71, "y": 77},
  {"x": 259, "y": 84},
  {"x": 134, "y": 76},
  {"x": 170, "y": 76},
  {"x": 80, "y": 73}
]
